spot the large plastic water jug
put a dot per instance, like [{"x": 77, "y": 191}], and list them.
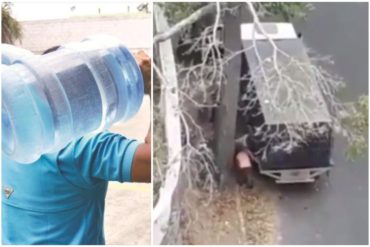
[
  {"x": 10, "y": 53},
  {"x": 49, "y": 100}
]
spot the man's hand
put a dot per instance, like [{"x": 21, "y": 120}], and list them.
[{"x": 145, "y": 64}]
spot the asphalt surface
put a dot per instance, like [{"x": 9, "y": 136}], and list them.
[{"x": 335, "y": 210}]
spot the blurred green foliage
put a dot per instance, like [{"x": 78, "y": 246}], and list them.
[
  {"x": 11, "y": 29},
  {"x": 175, "y": 12},
  {"x": 286, "y": 10},
  {"x": 358, "y": 123}
]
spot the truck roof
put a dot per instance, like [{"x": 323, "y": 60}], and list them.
[{"x": 307, "y": 104}]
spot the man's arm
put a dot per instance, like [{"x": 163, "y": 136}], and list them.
[
  {"x": 108, "y": 156},
  {"x": 141, "y": 166},
  {"x": 101, "y": 157}
]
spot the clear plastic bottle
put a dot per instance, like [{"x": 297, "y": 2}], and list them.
[
  {"x": 11, "y": 53},
  {"x": 49, "y": 100}
]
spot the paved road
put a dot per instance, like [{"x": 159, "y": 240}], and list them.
[{"x": 335, "y": 211}]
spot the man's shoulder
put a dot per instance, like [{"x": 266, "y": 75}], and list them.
[
  {"x": 97, "y": 157},
  {"x": 96, "y": 137}
]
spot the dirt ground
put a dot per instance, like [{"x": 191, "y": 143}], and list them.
[
  {"x": 128, "y": 214},
  {"x": 128, "y": 206},
  {"x": 235, "y": 215}
]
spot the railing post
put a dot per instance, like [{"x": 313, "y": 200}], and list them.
[{"x": 226, "y": 114}]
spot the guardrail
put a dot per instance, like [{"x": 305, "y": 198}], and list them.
[{"x": 163, "y": 208}]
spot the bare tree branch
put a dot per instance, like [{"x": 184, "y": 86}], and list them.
[
  {"x": 183, "y": 23},
  {"x": 286, "y": 82}
]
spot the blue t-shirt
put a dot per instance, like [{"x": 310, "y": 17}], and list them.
[{"x": 59, "y": 199}]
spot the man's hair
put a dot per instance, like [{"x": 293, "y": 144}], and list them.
[{"x": 54, "y": 48}]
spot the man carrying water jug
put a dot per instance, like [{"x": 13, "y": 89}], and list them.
[{"x": 59, "y": 198}]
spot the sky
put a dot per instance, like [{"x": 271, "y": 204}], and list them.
[{"x": 25, "y": 11}]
